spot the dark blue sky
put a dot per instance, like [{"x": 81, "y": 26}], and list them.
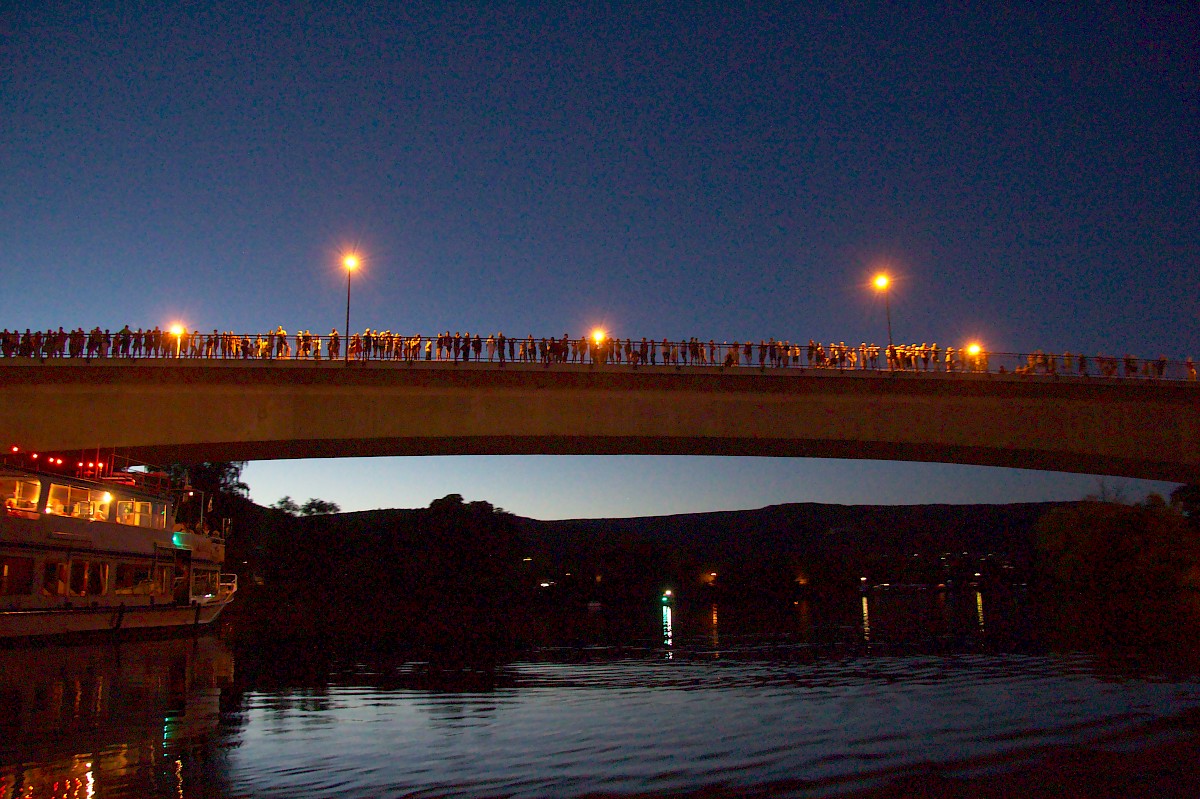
[{"x": 1030, "y": 178}]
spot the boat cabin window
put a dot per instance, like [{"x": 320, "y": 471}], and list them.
[
  {"x": 205, "y": 583},
  {"x": 16, "y": 575},
  {"x": 20, "y": 494},
  {"x": 164, "y": 578},
  {"x": 142, "y": 514},
  {"x": 134, "y": 578},
  {"x": 82, "y": 503},
  {"x": 54, "y": 578},
  {"x": 100, "y": 505},
  {"x": 88, "y": 578}
]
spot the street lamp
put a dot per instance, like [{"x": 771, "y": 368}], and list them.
[
  {"x": 351, "y": 263},
  {"x": 882, "y": 282},
  {"x": 598, "y": 337},
  {"x": 177, "y": 331},
  {"x": 974, "y": 351}
]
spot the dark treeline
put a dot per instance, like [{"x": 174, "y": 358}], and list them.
[
  {"x": 1146, "y": 547},
  {"x": 377, "y": 571}
]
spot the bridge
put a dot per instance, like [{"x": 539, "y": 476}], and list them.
[{"x": 163, "y": 410}]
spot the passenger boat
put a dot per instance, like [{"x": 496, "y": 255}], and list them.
[{"x": 105, "y": 553}]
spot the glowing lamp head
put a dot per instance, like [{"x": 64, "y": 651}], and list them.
[
  {"x": 973, "y": 350},
  {"x": 350, "y": 262},
  {"x": 106, "y": 498},
  {"x": 881, "y": 282},
  {"x": 598, "y": 336},
  {"x": 177, "y": 330}
]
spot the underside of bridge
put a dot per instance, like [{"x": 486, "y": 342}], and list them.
[{"x": 166, "y": 411}]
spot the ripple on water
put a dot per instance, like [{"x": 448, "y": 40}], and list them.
[{"x": 646, "y": 724}]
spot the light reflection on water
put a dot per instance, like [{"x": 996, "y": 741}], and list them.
[
  {"x": 817, "y": 707},
  {"x": 866, "y": 622},
  {"x": 82, "y": 720},
  {"x": 668, "y": 629}
]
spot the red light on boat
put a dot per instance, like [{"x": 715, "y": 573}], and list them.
[
  {"x": 35, "y": 454},
  {"x": 16, "y": 449},
  {"x": 91, "y": 465}
]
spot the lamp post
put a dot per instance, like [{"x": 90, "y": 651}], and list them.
[
  {"x": 351, "y": 263},
  {"x": 882, "y": 282},
  {"x": 177, "y": 331}
]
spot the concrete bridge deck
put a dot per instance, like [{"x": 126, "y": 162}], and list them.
[{"x": 191, "y": 410}]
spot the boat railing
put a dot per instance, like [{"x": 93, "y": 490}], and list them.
[
  {"x": 227, "y": 585},
  {"x": 156, "y": 482}
]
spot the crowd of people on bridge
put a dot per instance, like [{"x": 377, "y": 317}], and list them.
[{"x": 498, "y": 348}]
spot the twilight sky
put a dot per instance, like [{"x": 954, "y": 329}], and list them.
[{"x": 1030, "y": 178}]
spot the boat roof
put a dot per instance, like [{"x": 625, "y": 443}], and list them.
[{"x": 147, "y": 485}]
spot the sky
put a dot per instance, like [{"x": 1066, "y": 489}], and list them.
[{"x": 729, "y": 171}]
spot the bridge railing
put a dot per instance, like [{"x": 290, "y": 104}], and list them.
[{"x": 498, "y": 350}]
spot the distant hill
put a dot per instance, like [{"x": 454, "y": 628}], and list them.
[{"x": 805, "y": 529}]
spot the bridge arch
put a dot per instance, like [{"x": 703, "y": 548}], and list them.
[{"x": 168, "y": 410}]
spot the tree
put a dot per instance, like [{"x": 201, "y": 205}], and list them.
[
  {"x": 212, "y": 477},
  {"x": 314, "y": 507},
  {"x": 318, "y": 507},
  {"x": 287, "y": 505},
  {"x": 1145, "y": 547},
  {"x": 466, "y": 550},
  {"x": 1187, "y": 499}
]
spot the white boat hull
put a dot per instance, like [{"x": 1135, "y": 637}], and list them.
[{"x": 67, "y": 621}]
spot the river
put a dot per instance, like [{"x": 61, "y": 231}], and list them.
[{"x": 890, "y": 693}]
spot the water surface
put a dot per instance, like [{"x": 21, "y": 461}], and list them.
[{"x": 843, "y": 696}]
